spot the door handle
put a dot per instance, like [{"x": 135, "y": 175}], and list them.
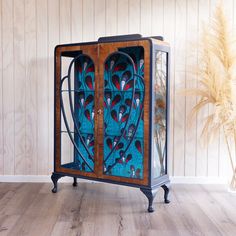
[{"x": 99, "y": 112}]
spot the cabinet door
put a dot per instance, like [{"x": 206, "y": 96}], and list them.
[
  {"x": 123, "y": 95},
  {"x": 76, "y": 96}
]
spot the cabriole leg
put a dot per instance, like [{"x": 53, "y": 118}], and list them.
[
  {"x": 55, "y": 177},
  {"x": 75, "y": 182},
  {"x": 166, "y": 193},
  {"x": 150, "y": 194}
]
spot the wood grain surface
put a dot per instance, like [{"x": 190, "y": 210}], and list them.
[{"x": 100, "y": 209}]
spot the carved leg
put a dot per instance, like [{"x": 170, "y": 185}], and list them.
[
  {"x": 166, "y": 192},
  {"x": 75, "y": 182},
  {"x": 150, "y": 194},
  {"x": 55, "y": 177}
]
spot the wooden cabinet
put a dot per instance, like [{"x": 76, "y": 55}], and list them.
[{"x": 111, "y": 112}]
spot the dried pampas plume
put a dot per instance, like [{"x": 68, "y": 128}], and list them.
[
  {"x": 217, "y": 81},
  {"x": 216, "y": 76}
]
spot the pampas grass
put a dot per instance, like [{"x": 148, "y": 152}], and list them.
[{"x": 217, "y": 83}]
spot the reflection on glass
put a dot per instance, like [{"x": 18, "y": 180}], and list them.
[{"x": 160, "y": 114}]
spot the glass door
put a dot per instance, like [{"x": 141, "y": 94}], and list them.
[
  {"x": 76, "y": 95},
  {"x": 124, "y": 89},
  {"x": 100, "y": 111}
]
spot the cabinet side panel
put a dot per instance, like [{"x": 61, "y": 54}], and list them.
[{"x": 160, "y": 109}]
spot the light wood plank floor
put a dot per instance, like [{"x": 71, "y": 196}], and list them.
[{"x": 109, "y": 210}]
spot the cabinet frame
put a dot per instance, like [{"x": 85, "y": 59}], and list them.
[
  {"x": 103, "y": 50},
  {"x": 98, "y": 52}
]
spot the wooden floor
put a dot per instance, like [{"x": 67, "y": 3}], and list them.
[{"x": 109, "y": 210}]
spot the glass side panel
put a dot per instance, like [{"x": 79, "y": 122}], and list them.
[
  {"x": 160, "y": 113},
  {"x": 82, "y": 119},
  {"x": 123, "y": 109}
]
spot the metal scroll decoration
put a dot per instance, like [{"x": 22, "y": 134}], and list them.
[
  {"x": 123, "y": 113},
  {"x": 82, "y": 113}
]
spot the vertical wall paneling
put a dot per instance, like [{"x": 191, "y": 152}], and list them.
[
  {"x": 191, "y": 81},
  {"x": 224, "y": 160},
  {"x": 99, "y": 18},
  {"x": 19, "y": 85},
  {"x": 88, "y": 20},
  {"x": 29, "y": 31},
  {"x": 53, "y": 40},
  {"x": 146, "y": 17},
  {"x": 233, "y": 11},
  {"x": 234, "y": 15},
  {"x": 157, "y": 17},
  {"x": 225, "y": 169},
  {"x": 42, "y": 86},
  {"x": 111, "y": 17},
  {"x": 31, "y": 87},
  {"x": 1, "y": 97},
  {"x": 8, "y": 87},
  {"x": 65, "y": 37},
  {"x": 234, "y": 31},
  {"x": 180, "y": 76},
  {"x": 122, "y": 16},
  {"x": 169, "y": 34},
  {"x": 202, "y": 154},
  {"x": 65, "y": 21},
  {"x": 214, "y": 145},
  {"x": 134, "y": 16},
  {"x": 76, "y": 21}
]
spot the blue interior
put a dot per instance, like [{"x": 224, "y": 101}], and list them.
[
  {"x": 123, "y": 120},
  {"x": 123, "y": 113},
  {"x": 84, "y": 114}
]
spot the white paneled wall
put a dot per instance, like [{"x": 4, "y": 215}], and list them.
[{"x": 29, "y": 30}]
